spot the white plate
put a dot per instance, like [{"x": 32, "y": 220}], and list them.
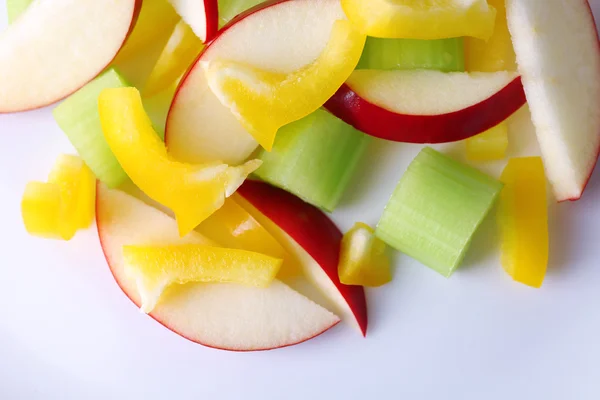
[{"x": 68, "y": 332}]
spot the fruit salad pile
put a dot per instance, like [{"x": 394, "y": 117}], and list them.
[{"x": 211, "y": 176}]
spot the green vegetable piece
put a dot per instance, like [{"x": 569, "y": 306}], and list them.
[
  {"x": 314, "y": 158},
  {"x": 435, "y": 210},
  {"x": 445, "y": 55},
  {"x": 15, "y": 8}
]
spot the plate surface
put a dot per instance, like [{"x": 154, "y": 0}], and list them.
[{"x": 68, "y": 332}]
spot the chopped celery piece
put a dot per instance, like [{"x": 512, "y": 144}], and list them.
[
  {"x": 314, "y": 158},
  {"x": 78, "y": 117},
  {"x": 229, "y": 9},
  {"x": 442, "y": 54},
  {"x": 489, "y": 145},
  {"x": 435, "y": 210},
  {"x": 14, "y": 8}
]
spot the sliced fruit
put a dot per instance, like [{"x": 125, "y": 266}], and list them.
[
  {"x": 154, "y": 268},
  {"x": 78, "y": 117},
  {"x": 523, "y": 220},
  {"x": 312, "y": 239},
  {"x": 78, "y": 193},
  {"x": 442, "y": 55},
  {"x": 229, "y": 9},
  {"x": 558, "y": 55},
  {"x": 265, "y": 101},
  {"x": 193, "y": 192},
  {"x": 363, "y": 258},
  {"x": 225, "y": 316},
  {"x": 15, "y": 8},
  {"x": 435, "y": 210},
  {"x": 495, "y": 54},
  {"x": 180, "y": 51},
  {"x": 233, "y": 227},
  {"x": 422, "y": 19},
  {"x": 75, "y": 40},
  {"x": 426, "y": 106},
  {"x": 201, "y": 15},
  {"x": 489, "y": 145},
  {"x": 199, "y": 127},
  {"x": 41, "y": 210},
  {"x": 314, "y": 158}
]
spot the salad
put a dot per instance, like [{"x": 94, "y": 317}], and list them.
[{"x": 210, "y": 177}]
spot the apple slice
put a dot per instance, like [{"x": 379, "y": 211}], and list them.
[
  {"x": 312, "y": 238},
  {"x": 201, "y": 15},
  {"x": 56, "y": 47},
  {"x": 224, "y": 316},
  {"x": 426, "y": 106},
  {"x": 201, "y": 129},
  {"x": 558, "y": 56}
]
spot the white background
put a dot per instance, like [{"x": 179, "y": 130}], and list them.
[{"x": 68, "y": 332}]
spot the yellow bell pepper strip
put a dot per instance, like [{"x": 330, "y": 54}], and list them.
[
  {"x": 421, "y": 19},
  {"x": 78, "y": 192},
  {"x": 495, "y": 54},
  {"x": 155, "y": 267},
  {"x": 489, "y": 145},
  {"x": 363, "y": 258},
  {"x": 264, "y": 101},
  {"x": 41, "y": 210},
  {"x": 192, "y": 192},
  {"x": 523, "y": 220},
  {"x": 179, "y": 53}
]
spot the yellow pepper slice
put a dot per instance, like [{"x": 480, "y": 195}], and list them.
[
  {"x": 192, "y": 192},
  {"x": 41, "y": 210},
  {"x": 523, "y": 220},
  {"x": 489, "y": 145},
  {"x": 363, "y": 258},
  {"x": 421, "y": 19},
  {"x": 179, "y": 53},
  {"x": 264, "y": 101},
  {"x": 496, "y": 54},
  {"x": 155, "y": 268}
]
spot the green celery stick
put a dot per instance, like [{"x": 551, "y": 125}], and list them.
[
  {"x": 229, "y": 9},
  {"x": 78, "y": 117},
  {"x": 314, "y": 158},
  {"x": 445, "y": 55},
  {"x": 435, "y": 210},
  {"x": 15, "y": 8}
]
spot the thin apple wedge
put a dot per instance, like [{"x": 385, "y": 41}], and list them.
[
  {"x": 312, "y": 238},
  {"x": 426, "y": 106},
  {"x": 201, "y": 15},
  {"x": 224, "y": 316},
  {"x": 56, "y": 47},
  {"x": 558, "y": 56}
]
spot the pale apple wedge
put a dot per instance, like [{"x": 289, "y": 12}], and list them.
[
  {"x": 56, "y": 47},
  {"x": 312, "y": 239},
  {"x": 558, "y": 56},
  {"x": 199, "y": 128},
  {"x": 201, "y": 15},
  {"x": 426, "y": 106},
  {"x": 224, "y": 316}
]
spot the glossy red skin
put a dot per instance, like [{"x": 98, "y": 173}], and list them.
[
  {"x": 598, "y": 150},
  {"x": 121, "y": 286},
  {"x": 211, "y": 9},
  {"x": 313, "y": 231},
  {"x": 240, "y": 17},
  {"x": 376, "y": 121},
  {"x": 136, "y": 14}
]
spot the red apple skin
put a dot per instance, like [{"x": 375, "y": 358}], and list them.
[
  {"x": 211, "y": 9},
  {"x": 121, "y": 286},
  {"x": 597, "y": 151},
  {"x": 384, "y": 124},
  {"x": 313, "y": 231},
  {"x": 136, "y": 13}
]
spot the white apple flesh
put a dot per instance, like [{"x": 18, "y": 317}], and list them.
[
  {"x": 56, "y": 47},
  {"x": 201, "y": 15},
  {"x": 224, "y": 316},
  {"x": 558, "y": 57},
  {"x": 280, "y": 36}
]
